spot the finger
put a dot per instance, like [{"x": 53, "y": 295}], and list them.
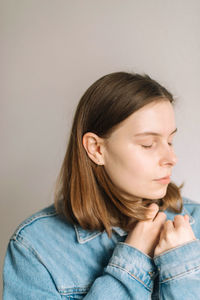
[
  {"x": 168, "y": 226},
  {"x": 160, "y": 217},
  {"x": 153, "y": 210},
  {"x": 179, "y": 220},
  {"x": 186, "y": 218}
]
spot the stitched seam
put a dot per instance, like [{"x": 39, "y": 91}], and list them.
[
  {"x": 72, "y": 292},
  {"x": 32, "y": 219},
  {"x": 82, "y": 240},
  {"x": 23, "y": 242},
  {"x": 171, "y": 250},
  {"x": 181, "y": 274},
  {"x": 144, "y": 254},
  {"x": 28, "y": 247},
  {"x": 132, "y": 275},
  {"x": 77, "y": 289}
]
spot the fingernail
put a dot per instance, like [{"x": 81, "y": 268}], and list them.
[
  {"x": 186, "y": 217},
  {"x": 154, "y": 206}
]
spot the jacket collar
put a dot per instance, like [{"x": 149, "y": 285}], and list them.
[{"x": 84, "y": 236}]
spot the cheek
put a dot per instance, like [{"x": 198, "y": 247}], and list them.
[
  {"x": 128, "y": 163},
  {"x": 133, "y": 173}
]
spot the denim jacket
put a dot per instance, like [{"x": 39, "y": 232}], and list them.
[{"x": 48, "y": 258}]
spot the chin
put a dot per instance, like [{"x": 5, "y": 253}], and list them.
[{"x": 157, "y": 195}]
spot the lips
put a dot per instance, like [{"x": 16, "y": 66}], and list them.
[
  {"x": 163, "y": 180},
  {"x": 166, "y": 177}
]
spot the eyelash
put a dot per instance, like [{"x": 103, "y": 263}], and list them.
[{"x": 148, "y": 147}]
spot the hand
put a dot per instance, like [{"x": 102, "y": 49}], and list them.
[
  {"x": 174, "y": 233},
  {"x": 145, "y": 235}
]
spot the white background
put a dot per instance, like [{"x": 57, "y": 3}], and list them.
[{"x": 52, "y": 51}]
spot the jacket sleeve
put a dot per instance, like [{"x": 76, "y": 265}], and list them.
[
  {"x": 179, "y": 272},
  {"x": 129, "y": 275}
]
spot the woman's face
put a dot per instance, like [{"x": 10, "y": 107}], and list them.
[{"x": 139, "y": 151}]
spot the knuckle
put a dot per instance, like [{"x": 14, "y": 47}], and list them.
[
  {"x": 169, "y": 236},
  {"x": 162, "y": 214},
  {"x": 168, "y": 223},
  {"x": 178, "y": 217}
]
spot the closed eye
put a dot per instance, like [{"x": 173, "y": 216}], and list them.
[
  {"x": 150, "y": 146},
  {"x": 144, "y": 146}
]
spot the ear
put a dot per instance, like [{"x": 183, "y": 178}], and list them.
[{"x": 93, "y": 145}]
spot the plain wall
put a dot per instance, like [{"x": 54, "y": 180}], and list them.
[{"x": 51, "y": 51}]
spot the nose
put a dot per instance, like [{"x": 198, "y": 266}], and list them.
[{"x": 168, "y": 157}]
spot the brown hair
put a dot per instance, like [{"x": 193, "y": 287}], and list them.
[{"x": 84, "y": 193}]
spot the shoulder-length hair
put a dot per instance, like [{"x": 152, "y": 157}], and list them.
[{"x": 84, "y": 193}]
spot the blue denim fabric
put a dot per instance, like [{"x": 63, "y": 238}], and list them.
[{"x": 47, "y": 258}]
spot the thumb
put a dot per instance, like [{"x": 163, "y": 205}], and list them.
[
  {"x": 153, "y": 209},
  {"x": 186, "y": 217}
]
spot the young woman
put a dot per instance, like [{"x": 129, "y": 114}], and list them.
[{"x": 119, "y": 228}]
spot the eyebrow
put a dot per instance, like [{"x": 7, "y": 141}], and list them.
[{"x": 153, "y": 133}]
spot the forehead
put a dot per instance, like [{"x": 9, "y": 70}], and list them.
[
  {"x": 157, "y": 116},
  {"x": 153, "y": 114}
]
